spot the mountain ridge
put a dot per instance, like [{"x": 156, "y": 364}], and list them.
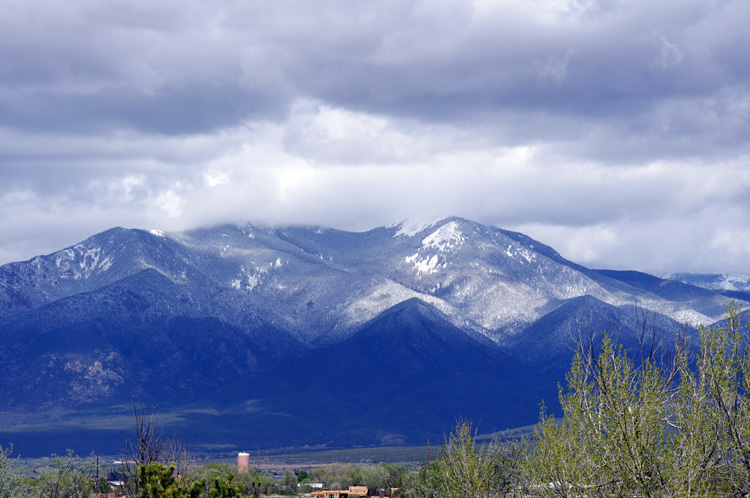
[{"x": 261, "y": 317}]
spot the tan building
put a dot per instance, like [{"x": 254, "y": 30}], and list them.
[
  {"x": 338, "y": 493},
  {"x": 362, "y": 491}
]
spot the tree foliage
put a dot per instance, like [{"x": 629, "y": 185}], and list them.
[
  {"x": 70, "y": 478},
  {"x": 150, "y": 445},
  {"x": 159, "y": 481},
  {"x": 338, "y": 475},
  {"x": 466, "y": 467},
  {"x": 661, "y": 426},
  {"x": 11, "y": 485}
]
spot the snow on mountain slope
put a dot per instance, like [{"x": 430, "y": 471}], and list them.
[
  {"x": 319, "y": 284},
  {"x": 96, "y": 262},
  {"x": 412, "y": 227},
  {"x": 501, "y": 283},
  {"x": 233, "y": 318},
  {"x": 713, "y": 281}
]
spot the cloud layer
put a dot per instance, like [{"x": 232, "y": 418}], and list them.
[{"x": 614, "y": 131}]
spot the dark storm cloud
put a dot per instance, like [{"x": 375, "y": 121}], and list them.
[
  {"x": 638, "y": 70},
  {"x": 674, "y": 68},
  {"x": 598, "y": 126},
  {"x": 171, "y": 110}
]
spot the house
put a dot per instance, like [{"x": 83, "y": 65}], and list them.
[
  {"x": 353, "y": 490},
  {"x": 362, "y": 491}
]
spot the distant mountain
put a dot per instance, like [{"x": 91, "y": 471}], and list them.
[
  {"x": 309, "y": 335},
  {"x": 728, "y": 284}
]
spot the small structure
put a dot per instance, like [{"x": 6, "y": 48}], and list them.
[
  {"x": 362, "y": 491},
  {"x": 243, "y": 462},
  {"x": 336, "y": 493}
]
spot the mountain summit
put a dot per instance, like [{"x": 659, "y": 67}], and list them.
[{"x": 401, "y": 328}]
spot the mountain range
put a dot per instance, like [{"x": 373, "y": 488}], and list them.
[{"x": 248, "y": 336}]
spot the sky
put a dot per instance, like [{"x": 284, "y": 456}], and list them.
[{"x": 618, "y": 132}]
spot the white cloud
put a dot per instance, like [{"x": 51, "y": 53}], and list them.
[
  {"x": 669, "y": 54},
  {"x": 554, "y": 68},
  {"x": 586, "y": 245},
  {"x": 615, "y": 131}
]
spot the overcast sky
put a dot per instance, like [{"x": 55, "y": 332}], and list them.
[{"x": 617, "y": 132}]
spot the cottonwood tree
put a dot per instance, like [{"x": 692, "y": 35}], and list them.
[
  {"x": 386, "y": 477},
  {"x": 464, "y": 468},
  {"x": 613, "y": 438},
  {"x": 661, "y": 426},
  {"x": 722, "y": 384}
]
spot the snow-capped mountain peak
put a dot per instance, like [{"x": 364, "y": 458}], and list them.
[
  {"x": 444, "y": 238},
  {"x": 178, "y": 316},
  {"x": 318, "y": 283},
  {"x": 412, "y": 227}
]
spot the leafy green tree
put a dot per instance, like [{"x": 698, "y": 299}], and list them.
[
  {"x": 665, "y": 426},
  {"x": 424, "y": 482},
  {"x": 159, "y": 481},
  {"x": 102, "y": 486},
  {"x": 289, "y": 483},
  {"x": 721, "y": 387},
  {"x": 11, "y": 484},
  {"x": 385, "y": 477},
  {"x": 212, "y": 481},
  {"x": 615, "y": 424},
  {"x": 395, "y": 475},
  {"x": 225, "y": 487},
  {"x": 375, "y": 477},
  {"x": 508, "y": 459},
  {"x": 338, "y": 475},
  {"x": 70, "y": 478},
  {"x": 247, "y": 480},
  {"x": 218, "y": 480},
  {"x": 464, "y": 469}
]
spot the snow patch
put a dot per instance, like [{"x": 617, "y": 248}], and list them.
[
  {"x": 521, "y": 255},
  {"x": 387, "y": 295},
  {"x": 712, "y": 281},
  {"x": 158, "y": 233},
  {"x": 252, "y": 282},
  {"x": 63, "y": 259},
  {"x": 90, "y": 260},
  {"x": 251, "y": 279},
  {"x": 410, "y": 228},
  {"x": 734, "y": 282},
  {"x": 80, "y": 262},
  {"x": 425, "y": 265},
  {"x": 444, "y": 238},
  {"x": 106, "y": 264}
]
